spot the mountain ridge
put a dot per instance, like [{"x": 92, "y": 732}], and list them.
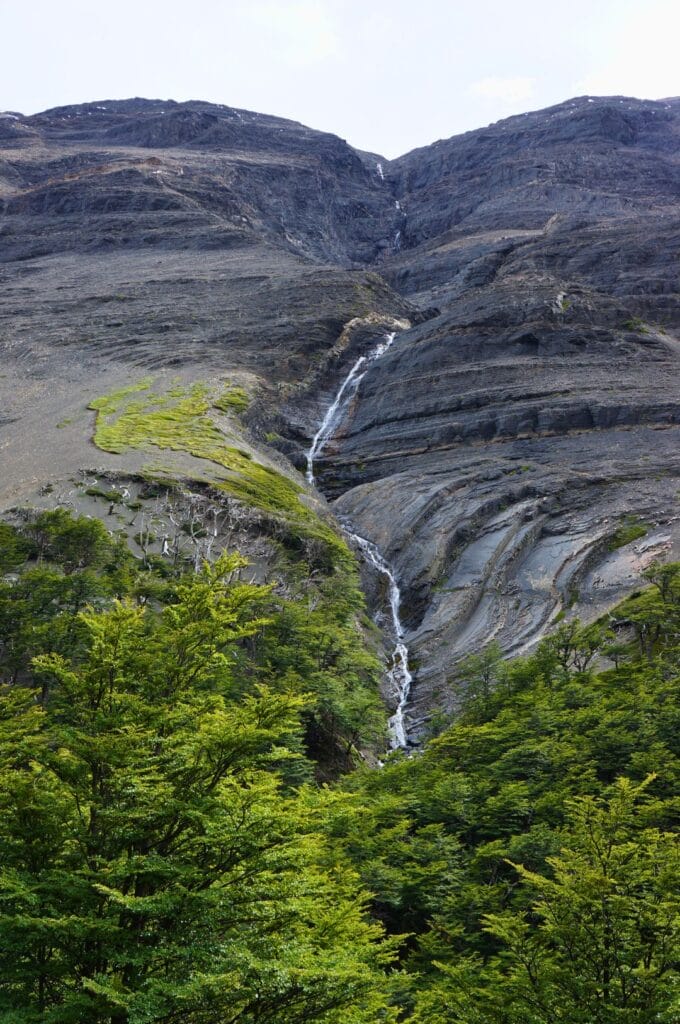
[
  {"x": 138, "y": 104},
  {"x": 493, "y": 453}
]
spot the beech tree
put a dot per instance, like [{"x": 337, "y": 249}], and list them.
[
  {"x": 154, "y": 863},
  {"x": 601, "y": 941}
]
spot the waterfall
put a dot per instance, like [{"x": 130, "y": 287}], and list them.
[
  {"x": 399, "y": 676},
  {"x": 336, "y": 411}
]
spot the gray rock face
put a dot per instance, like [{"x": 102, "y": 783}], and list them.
[
  {"x": 194, "y": 176},
  {"x": 495, "y": 449},
  {"x": 500, "y": 444},
  {"x": 181, "y": 239}
]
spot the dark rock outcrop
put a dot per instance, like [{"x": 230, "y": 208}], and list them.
[
  {"x": 494, "y": 450},
  {"x": 500, "y": 444}
]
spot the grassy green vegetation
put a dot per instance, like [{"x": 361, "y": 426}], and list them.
[
  {"x": 182, "y": 421},
  {"x": 107, "y": 495},
  {"x": 630, "y": 529},
  {"x": 233, "y": 399},
  {"x": 637, "y": 325},
  {"x": 167, "y": 855},
  {"x": 176, "y": 420},
  {"x": 109, "y": 404}
]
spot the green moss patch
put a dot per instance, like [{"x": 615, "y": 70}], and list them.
[
  {"x": 630, "y": 529},
  {"x": 233, "y": 399},
  {"x": 181, "y": 420},
  {"x": 111, "y": 403}
]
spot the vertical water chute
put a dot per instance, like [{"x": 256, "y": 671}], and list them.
[{"x": 399, "y": 676}]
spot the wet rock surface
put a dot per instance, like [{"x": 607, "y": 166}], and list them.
[{"x": 493, "y": 452}]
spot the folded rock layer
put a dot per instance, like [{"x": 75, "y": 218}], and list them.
[{"x": 495, "y": 453}]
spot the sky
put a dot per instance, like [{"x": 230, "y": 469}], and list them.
[{"x": 387, "y": 75}]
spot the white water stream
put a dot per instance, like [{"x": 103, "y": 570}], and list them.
[
  {"x": 337, "y": 409},
  {"x": 399, "y": 676}
]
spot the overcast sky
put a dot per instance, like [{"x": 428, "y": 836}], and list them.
[{"x": 387, "y": 75}]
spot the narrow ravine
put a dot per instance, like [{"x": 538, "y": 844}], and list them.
[{"x": 399, "y": 676}]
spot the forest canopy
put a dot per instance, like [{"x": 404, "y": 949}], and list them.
[{"x": 188, "y": 831}]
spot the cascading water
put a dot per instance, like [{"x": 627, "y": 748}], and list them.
[
  {"x": 399, "y": 676},
  {"x": 338, "y": 407}
]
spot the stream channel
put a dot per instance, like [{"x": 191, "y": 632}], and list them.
[{"x": 399, "y": 676}]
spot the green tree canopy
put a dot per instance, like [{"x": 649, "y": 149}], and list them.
[
  {"x": 155, "y": 865},
  {"x": 600, "y": 941}
]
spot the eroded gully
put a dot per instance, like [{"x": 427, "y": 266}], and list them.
[{"x": 399, "y": 676}]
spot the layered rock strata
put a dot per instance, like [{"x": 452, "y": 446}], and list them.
[{"x": 493, "y": 453}]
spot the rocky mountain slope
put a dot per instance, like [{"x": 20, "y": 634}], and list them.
[{"x": 513, "y": 454}]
